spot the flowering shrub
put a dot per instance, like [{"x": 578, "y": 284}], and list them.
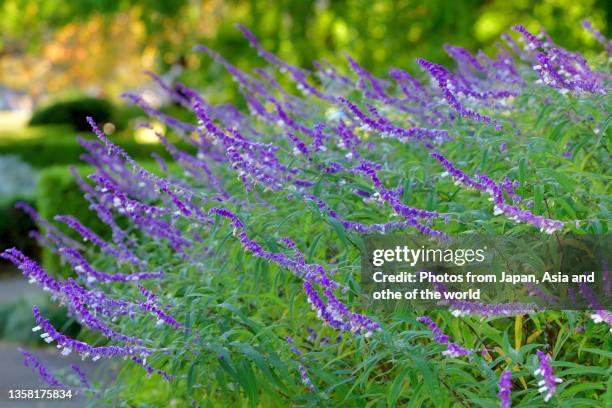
[{"x": 234, "y": 282}]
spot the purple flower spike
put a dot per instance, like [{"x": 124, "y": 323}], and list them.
[
  {"x": 505, "y": 389},
  {"x": 46, "y": 224},
  {"x": 38, "y": 367},
  {"x": 561, "y": 69},
  {"x": 453, "y": 350},
  {"x": 378, "y": 86},
  {"x": 450, "y": 89},
  {"x": 484, "y": 184},
  {"x": 601, "y": 316},
  {"x": 31, "y": 270},
  {"x": 548, "y": 384},
  {"x": 151, "y": 306},
  {"x": 598, "y": 35},
  {"x": 386, "y": 129},
  {"x": 297, "y": 74},
  {"x": 304, "y": 376},
  {"x": 68, "y": 345},
  {"x": 334, "y": 312},
  {"x": 82, "y": 375}
]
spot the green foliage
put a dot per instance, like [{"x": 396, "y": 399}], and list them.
[
  {"x": 43, "y": 152},
  {"x": 15, "y": 226},
  {"x": 391, "y": 31},
  {"x": 73, "y": 112}
]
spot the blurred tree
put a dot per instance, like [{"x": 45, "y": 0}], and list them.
[{"x": 100, "y": 46}]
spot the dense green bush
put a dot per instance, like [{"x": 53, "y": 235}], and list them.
[
  {"x": 15, "y": 226},
  {"x": 47, "y": 152},
  {"x": 496, "y": 151},
  {"x": 73, "y": 112}
]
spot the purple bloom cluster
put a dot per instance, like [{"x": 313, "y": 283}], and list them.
[
  {"x": 304, "y": 376},
  {"x": 356, "y": 226},
  {"x": 38, "y": 367},
  {"x": 598, "y": 35},
  {"x": 505, "y": 389},
  {"x": 333, "y": 312},
  {"x": 460, "y": 308},
  {"x": 463, "y": 308},
  {"x": 559, "y": 68},
  {"x": 82, "y": 376},
  {"x": 89, "y": 274},
  {"x": 31, "y": 270},
  {"x": 599, "y": 315},
  {"x": 451, "y": 90},
  {"x": 495, "y": 191},
  {"x": 85, "y": 305},
  {"x": 391, "y": 197},
  {"x": 44, "y": 224},
  {"x": 386, "y": 129},
  {"x": 548, "y": 383},
  {"x": 453, "y": 350},
  {"x": 150, "y": 306},
  {"x": 67, "y": 345},
  {"x": 371, "y": 86}
]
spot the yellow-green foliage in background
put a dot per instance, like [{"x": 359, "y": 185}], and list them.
[{"x": 101, "y": 46}]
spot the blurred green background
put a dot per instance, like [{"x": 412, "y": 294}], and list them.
[{"x": 101, "y": 46}]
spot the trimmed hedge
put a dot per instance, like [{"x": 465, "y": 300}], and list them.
[
  {"x": 42, "y": 152},
  {"x": 15, "y": 226},
  {"x": 73, "y": 112}
]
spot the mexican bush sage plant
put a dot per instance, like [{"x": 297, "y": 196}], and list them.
[{"x": 229, "y": 274}]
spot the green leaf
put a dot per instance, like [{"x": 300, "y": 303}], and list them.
[
  {"x": 396, "y": 387},
  {"x": 191, "y": 377}
]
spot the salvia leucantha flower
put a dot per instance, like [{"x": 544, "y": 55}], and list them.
[
  {"x": 548, "y": 382},
  {"x": 599, "y": 315},
  {"x": 299, "y": 75},
  {"x": 559, "y": 68},
  {"x": 333, "y": 312},
  {"x": 304, "y": 376},
  {"x": 68, "y": 345},
  {"x": 453, "y": 350},
  {"x": 486, "y": 185},
  {"x": 450, "y": 89},
  {"x": 38, "y": 367},
  {"x": 82, "y": 376},
  {"x": 598, "y": 35},
  {"x": 25, "y": 207},
  {"x": 386, "y": 129},
  {"x": 371, "y": 86},
  {"x": 505, "y": 389}
]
